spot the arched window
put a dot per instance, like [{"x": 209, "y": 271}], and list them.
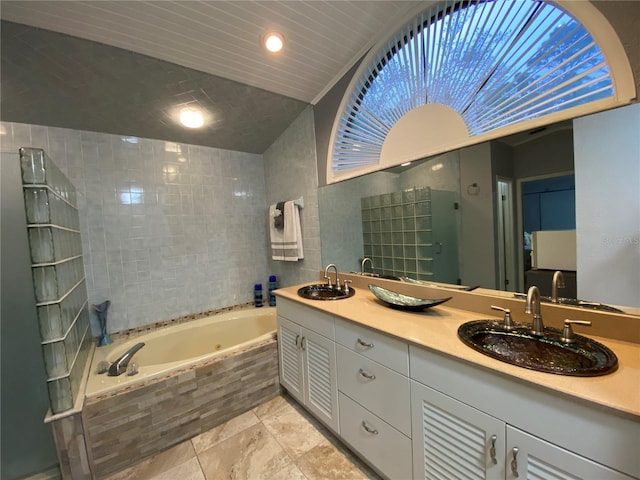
[{"x": 463, "y": 72}]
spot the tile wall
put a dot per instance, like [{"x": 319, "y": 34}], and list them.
[
  {"x": 290, "y": 172},
  {"x": 167, "y": 229}
]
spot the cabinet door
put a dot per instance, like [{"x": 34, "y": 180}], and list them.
[
  {"x": 453, "y": 440},
  {"x": 537, "y": 459},
  {"x": 291, "y": 371},
  {"x": 320, "y": 383}
]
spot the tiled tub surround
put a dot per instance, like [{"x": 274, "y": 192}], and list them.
[
  {"x": 58, "y": 275},
  {"x": 167, "y": 229},
  {"x": 127, "y": 419},
  {"x": 179, "y": 346}
]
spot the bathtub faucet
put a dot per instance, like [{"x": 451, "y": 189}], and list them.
[{"x": 120, "y": 365}]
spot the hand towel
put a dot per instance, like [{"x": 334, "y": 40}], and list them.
[
  {"x": 278, "y": 219},
  {"x": 286, "y": 245}
]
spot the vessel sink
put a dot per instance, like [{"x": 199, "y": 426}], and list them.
[
  {"x": 582, "y": 358},
  {"x": 322, "y": 291}
]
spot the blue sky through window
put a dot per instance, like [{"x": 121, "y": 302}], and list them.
[{"x": 494, "y": 62}]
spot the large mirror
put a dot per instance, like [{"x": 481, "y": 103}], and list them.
[{"x": 489, "y": 205}]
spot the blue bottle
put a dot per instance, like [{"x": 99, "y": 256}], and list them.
[
  {"x": 272, "y": 286},
  {"x": 257, "y": 294}
]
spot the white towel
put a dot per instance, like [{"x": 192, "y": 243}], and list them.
[{"x": 286, "y": 244}]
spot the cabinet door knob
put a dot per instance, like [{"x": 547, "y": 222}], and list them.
[
  {"x": 514, "y": 461},
  {"x": 302, "y": 343},
  {"x": 368, "y": 376},
  {"x": 297, "y": 340},
  {"x": 364, "y": 344},
  {"x": 372, "y": 431},
  {"x": 492, "y": 450}
]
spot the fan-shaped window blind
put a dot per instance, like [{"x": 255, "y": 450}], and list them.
[{"x": 495, "y": 63}]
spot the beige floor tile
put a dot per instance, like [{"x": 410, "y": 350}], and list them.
[
  {"x": 326, "y": 462},
  {"x": 293, "y": 431},
  {"x": 251, "y": 454},
  {"x": 270, "y": 407},
  {"x": 290, "y": 472},
  {"x": 158, "y": 464},
  {"x": 222, "y": 432},
  {"x": 189, "y": 470}
]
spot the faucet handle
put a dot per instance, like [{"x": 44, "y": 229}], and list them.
[
  {"x": 567, "y": 332},
  {"x": 328, "y": 279},
  {"x": 345, "y": 286},
  {"x": 508, "y": 321}
]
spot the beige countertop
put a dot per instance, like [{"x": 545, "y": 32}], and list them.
[{"x": 436, "y": 329}]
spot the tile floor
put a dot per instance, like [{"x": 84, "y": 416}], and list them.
[{"x": 277, "y": 440}]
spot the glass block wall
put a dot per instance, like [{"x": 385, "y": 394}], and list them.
[
  {"x": 58, "y": 275},
  {"x": 397, "y": 233}
]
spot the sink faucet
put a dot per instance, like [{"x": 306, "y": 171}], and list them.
[
  {"x": 120, "y": 365},
  {"x": 532, "y": 305},
  {"x": 556, "y": 282},
  {"x": 364, "y": 261},
  {"x": 328, "y": 278}
]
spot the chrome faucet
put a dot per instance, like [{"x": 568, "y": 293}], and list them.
[
  {"x": 328, "y": 278},
  {"x": 556, "y": 282},
  {"x": 532, "y": 305},
  {"x": 120, "y": 365},
  {"x": 364, "y": 261}
]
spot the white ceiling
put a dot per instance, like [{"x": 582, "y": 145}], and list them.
[{"x": 323, "y": 38}]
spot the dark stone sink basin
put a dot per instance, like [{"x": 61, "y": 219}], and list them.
[
  {"x": 322, "y": 291},
  {"x": 583, "y": 358}
]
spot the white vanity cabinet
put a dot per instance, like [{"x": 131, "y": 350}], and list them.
[
  {"x": 374, "y": 397},
  {"x": 468, "y": 421},
  {"x": 454, "y": 440},
  {"x": 307, "y": 357}
]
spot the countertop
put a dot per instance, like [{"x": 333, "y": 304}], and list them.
[{"x": 436, "y": 329}]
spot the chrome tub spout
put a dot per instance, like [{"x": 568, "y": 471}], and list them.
[{"x": 120, "y": 365}]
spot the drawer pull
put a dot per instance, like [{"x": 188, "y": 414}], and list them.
[
  {"x": 364, "y": 344},
  {"x": 368, "y": 376},
  {"x": 372, "y": 431}
]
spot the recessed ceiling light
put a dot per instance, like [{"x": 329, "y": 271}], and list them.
[
  {"x": 273, "y": 42},
  {"x": 191, "y": 118}
]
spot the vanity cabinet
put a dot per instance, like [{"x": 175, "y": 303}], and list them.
[
  {"x": 467, "y": 421},
  {"x": 454, "y": 440},
  {"x": 374, "y": 397},
  {"x": 307, "y": 360},
  {"x": 412, "y": 412}
]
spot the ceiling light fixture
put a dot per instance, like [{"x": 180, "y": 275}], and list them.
[
  {"x": 191, "y": 118},
  {"x": 273, "y": 42}
]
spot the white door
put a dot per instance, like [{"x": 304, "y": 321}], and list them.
[
  {"x": 529, "y": 457},
  {"x": 291, "y": 371},
  {"x": 453, "y": 440},
  {"x": 321, "y": 386}
]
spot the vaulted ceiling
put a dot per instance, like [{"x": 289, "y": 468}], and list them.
[{"x": 124, "y": 67}]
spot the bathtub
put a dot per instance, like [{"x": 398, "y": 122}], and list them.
[
  {"x": 181, "y": 346},
  {"x": 192, "y": 377}
]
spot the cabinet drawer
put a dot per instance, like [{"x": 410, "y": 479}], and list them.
[
  {"x": 388, "y": 351},
  {"x": 379, "y": 389},
  {"x": 381, "y": 445},
  {"x": 314, "y": 320}
]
